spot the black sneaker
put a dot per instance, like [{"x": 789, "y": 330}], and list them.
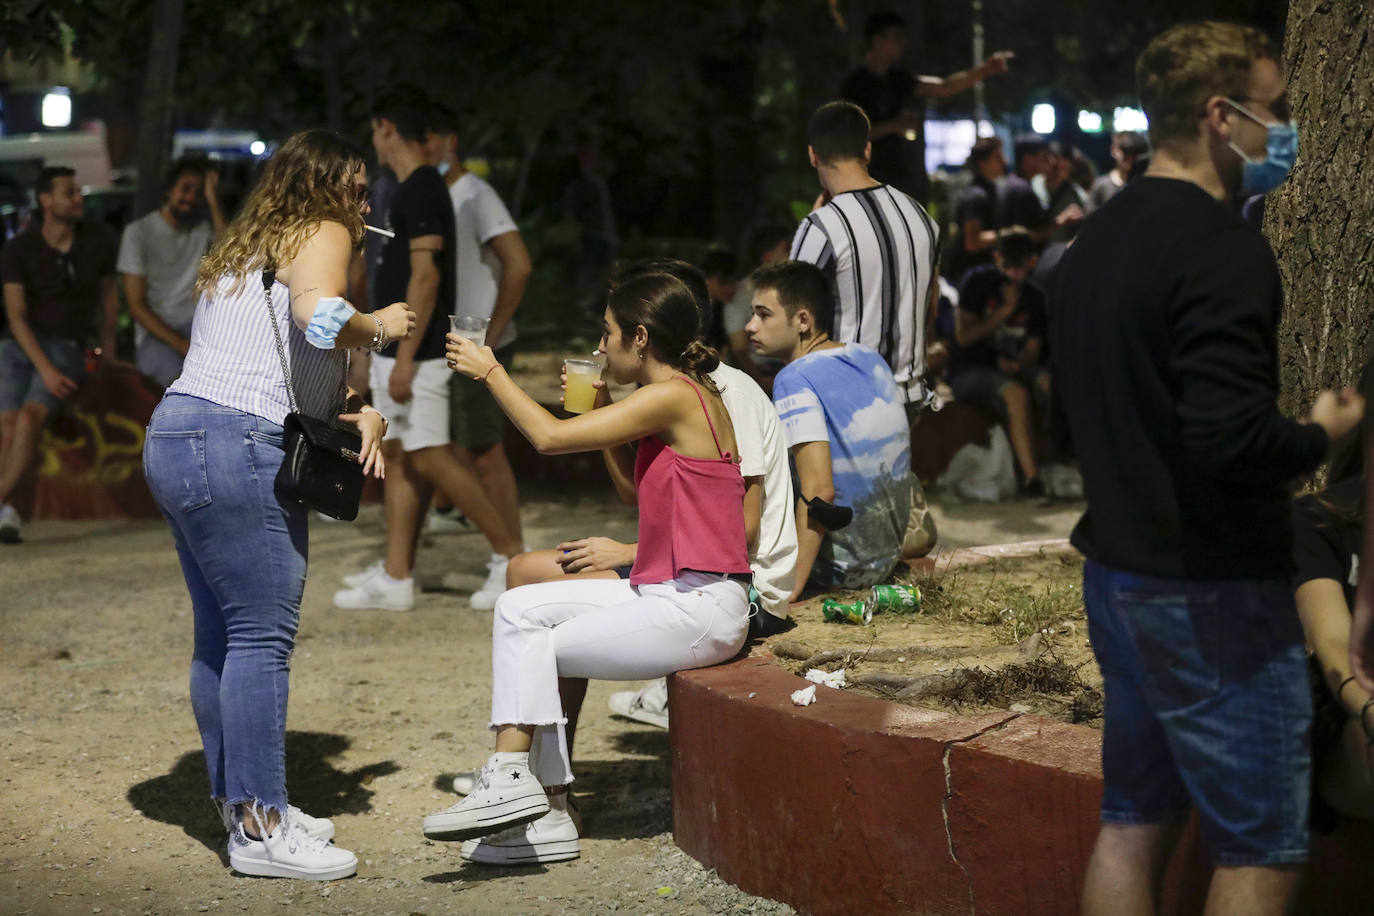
[{"x": 1032, "y": 489}]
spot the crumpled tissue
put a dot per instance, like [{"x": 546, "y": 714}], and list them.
[
  {"x": 828, "y": 678},
  {"x": 804, "y": 697}
]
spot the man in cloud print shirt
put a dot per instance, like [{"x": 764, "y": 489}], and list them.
[{"x": 846, "y": 431}]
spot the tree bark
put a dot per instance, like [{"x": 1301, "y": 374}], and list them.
[
  {"x": 1321, "y": 223},
  {"x": 155, "y": 106}
]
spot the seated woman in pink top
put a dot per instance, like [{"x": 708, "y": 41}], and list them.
[{"x": 685, "y": 603}]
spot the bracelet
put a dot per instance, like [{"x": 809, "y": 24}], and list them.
[
  {"x": 483, "y": 376},
  {"x": 1342, "y": 687},
  {"x": 378, "y": 338},
  {"x": 366, "y": 407}
]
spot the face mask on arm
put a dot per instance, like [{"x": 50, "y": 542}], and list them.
[{"x": 1260, "y": 176}]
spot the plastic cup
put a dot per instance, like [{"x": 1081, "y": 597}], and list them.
[
  {"x": 579, "y": 395},
  {"x": 474, "y": 329}
]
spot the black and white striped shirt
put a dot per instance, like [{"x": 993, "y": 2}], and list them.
[
  {"x": 881, "y": 250},
  {"x": 233, "y": 358}
]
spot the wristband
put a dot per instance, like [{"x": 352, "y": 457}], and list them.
[
  {"x": 483, "y": 376},
  {"x": 378, "y": 338}
]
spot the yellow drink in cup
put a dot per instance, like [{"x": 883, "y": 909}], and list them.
[{"x": 579, "y": 395}]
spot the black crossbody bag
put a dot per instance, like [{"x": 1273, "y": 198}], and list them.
[{"x": 320, "y": 469}]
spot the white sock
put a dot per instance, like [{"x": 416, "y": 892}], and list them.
[{"x": 386, "y": 577}]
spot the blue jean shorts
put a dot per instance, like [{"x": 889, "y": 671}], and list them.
[
  {"x": 20, "y": 382},
  {"x": 1206, "y": 705}
]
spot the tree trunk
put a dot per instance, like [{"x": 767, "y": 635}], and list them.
[
  {"x": 1321, "y": 223},
  {"x": 155, "y": 106}
]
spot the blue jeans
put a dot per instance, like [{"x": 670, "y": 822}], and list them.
[
  {"x": 1206, "y": 701},
  {"x": 20, "y": 382},
  {"x": 243, "y": 553}
]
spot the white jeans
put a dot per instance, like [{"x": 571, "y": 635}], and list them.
[{"x": 606, "y": 629}]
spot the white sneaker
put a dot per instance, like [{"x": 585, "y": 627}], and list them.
[
  {"x": 320, "y": 827},
  {"x": 353, "y": 580},
  {"x": 10, "y": 525},
  {"x": 289, "y": 852},
  {"x": 649, "y": 704},
  {"x": 552, "y": 838},
  {"x": 506, "y": 795},
  {"x": 378, "y": 592},
  {"x": 450, "y": 522},
  {"x": 484, "y": 599},
  {"x": 464, "y": 783}
]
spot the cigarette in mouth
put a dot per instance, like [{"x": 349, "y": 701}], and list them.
[{"x": 386, "y": 232}]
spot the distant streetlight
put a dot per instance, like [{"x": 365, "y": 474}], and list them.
[
  {"x": 1042, "y": 118},
  {"x": 1129, "y": 119},
  {"x": 1090, "y": 122},
  {"x": 56, "y": 109},
  {"x": 257, "y": 147}
]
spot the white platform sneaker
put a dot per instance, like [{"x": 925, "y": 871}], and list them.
[
  {"x": 552, "y": 838},
  {"x": 506, "y": 795}
]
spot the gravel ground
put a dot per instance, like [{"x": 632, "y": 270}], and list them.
[{"x": 104, "y": 792}]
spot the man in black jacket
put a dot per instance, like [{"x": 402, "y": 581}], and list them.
[{"x": 1164, "y": 352}]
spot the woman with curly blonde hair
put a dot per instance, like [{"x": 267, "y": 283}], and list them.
[{"x": 275, "y": 279}]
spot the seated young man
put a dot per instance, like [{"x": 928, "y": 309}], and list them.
[
  {"x": 999, "y": 333},
  {"x": 846, "y": 431}
]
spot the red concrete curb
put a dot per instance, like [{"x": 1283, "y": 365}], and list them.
[{"x": 857, "y": 804}]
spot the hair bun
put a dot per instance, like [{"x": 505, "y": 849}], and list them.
[{"x": 700, "y": 359}]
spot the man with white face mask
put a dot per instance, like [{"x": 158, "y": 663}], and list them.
[{"x": 1163, "y": 343}]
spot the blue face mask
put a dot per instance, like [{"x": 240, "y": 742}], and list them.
[
  {"x": 1260, "y": 176},
  {"x": 443, "y": 167}
]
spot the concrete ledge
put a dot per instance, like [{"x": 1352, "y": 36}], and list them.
[{"x": 855, "y": 804}]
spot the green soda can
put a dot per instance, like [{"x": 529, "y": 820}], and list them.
[
  {"x": 839, "y": 612},
  {"x": 904, "y": 598}
]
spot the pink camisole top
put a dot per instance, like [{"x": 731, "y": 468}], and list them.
[{"x": 691, "y": 511}]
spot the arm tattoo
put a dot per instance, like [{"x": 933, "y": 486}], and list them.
[{"x": 303, "y": 292}]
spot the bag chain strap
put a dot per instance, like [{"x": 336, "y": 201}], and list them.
[{"x": 268, "y": 278}]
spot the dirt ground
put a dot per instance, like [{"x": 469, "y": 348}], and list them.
[
  {"x": 1003, "y": 634},
  {"x": 104, "y": 792}
]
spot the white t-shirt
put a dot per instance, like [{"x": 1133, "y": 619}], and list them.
[
  {"x": 168, "y": 258},
  {"x": 478, "y": 217},
  {"x": 763, "y": 453}
]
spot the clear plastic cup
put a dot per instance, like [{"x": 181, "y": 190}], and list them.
[
  {"x": 579, "y": 395},
  {"x": 474, "y": 329}
]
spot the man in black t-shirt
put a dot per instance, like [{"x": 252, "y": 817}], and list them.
[
  {"x": 975, "y": 210},
  {"x": 892, "y": 99},
  {"x": 410, "y": 378},
  {"x": 1164, "y": 347},
  {"x": 999, "y": 335},
  {"x": 58, "y": 275}
]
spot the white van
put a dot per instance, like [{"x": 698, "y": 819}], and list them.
[{"x": 23, "y": 155}]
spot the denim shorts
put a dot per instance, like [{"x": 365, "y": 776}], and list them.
[
  {"x": 1206, "y": 704},
  {"x": 20, "y": 382}
]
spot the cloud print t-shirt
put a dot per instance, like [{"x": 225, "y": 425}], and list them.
[{"x": 846, "y": 396}]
